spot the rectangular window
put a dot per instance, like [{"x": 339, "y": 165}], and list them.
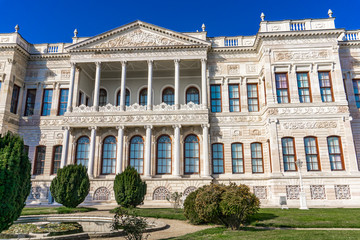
[
  {"x": 215, "y": 93},
  {"x": 64, "y": 93},
  {"x": 56, "y": 159},
  {"x": 303, "y": 87},
  {"x": 335, "y": 153},
  {"x": 237, "y": 157},
  {"x": 218, "y": 158},
  {"x": 252, "y": 95},
  {"x": 257, "y": 158},
  {"x": 15, "y": 99},
  {"x": 356, "y": 84},
  {"x": 282, "y": 87},
  {"x": 30, "y": 102},
  {"x": 325, "y": 87},
  {"x": 47, "y": 99},
  {"x": 234, "y": 98},
  {"x": 312, "y": 155},
  {"x": 289, "y": 156},
  {"x": 39, "y": 160}
]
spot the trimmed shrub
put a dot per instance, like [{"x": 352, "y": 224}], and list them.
[
  {"x": 15, "y": 181},
  {"x": 237, "y": 205},
  {"x": 129, "y": 189},
  {"x": 71, "y": 185},
  {"x": 189, "y": 209}
]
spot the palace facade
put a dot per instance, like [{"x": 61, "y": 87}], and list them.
[{"x": 186, "y": 109}]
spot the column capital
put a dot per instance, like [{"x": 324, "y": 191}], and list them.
[
  {"x": 120, "y": 127},
  {"x": 98, "y": 64},
  {"x": 150, "y": 62},
  {"x": 93, "y": 128},
  {"x": 205, "y": 125},
  {"x": 65, "y": 128},
  {"x": 73, "y": 64},
  {"x": 123, "y": 63},
  {"x": 176, "y": 126},
  {"x": 148, "y": 126},
  {"x": 176, "y": 61},
  {"x": 203, "y": 60}
]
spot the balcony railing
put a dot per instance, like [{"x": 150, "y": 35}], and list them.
[
  {"x": 297, "y": 26},
  {"x": 352, "y": 35}
]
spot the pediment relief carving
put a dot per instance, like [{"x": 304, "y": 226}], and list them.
[{"x": 138, "y": 38}]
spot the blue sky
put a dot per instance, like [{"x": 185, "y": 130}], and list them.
[{"x": 53, "y": 21}]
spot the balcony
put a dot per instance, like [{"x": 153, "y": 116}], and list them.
[
  {"x": 297, "y": 25},
  {"x": 137, "y": 115}
]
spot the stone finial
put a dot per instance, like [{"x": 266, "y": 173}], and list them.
[
  {"x": 17, "y": 28},
  {"x": 330, "y": 13},
  {"x": 75, "y": 32},
  {"x": 262, "y": 16},
  {"x": 203, "y": 27}
]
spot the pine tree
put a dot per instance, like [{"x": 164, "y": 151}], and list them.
[
  {"x": 129, "y": 189},
  {"x": 71, "y": 185},
  {"x": 15, "y": 180}
]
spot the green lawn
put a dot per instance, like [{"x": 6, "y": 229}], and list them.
[
  {"x": 223, "y": 233},
  {"x": 54, "y": 210},
  {"x": 274, "y": 217}
]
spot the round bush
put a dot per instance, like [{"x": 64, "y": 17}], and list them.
[
  {"x": 129, "y": 189},
  {"x": 71, "y": 185},
  {"x": 189, "y": 209},
  {"x": 15, "y": 181}
]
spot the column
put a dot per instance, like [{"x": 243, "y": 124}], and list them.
[
  {"x": 176, "y": 150},
  {"x": 92, "y": 151},
  {"x": 21, "y": 97},
  {"x": 147, "y": 172},
  {"x": 65, "y": 147},
  {"x": 203, "y": 84},
  {"x": 206, "y": 164},
  {"x": 120, "y": 144},
  {"x": 97, "y": 85},
  {"x": 150, "y": 76},
  {"x": 274, "y": 144},
  {"x": 123, "y": 88},
  {"x": 71, "y": 87},
  {"x": 177, "y": 82}
]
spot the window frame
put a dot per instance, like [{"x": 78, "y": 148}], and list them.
[
  {"x": 53, "y": 159},
  {"x": 317, "y": 154},
  {"x": 289, "y": 155},
  {"x": 110, "y": 159},
  {"x": 80, "y": 98},
  {"x": 162, "y": 95},
  {"x": 215, "y": 99},
  {"x": 145, "y": 90},
  {"x": 59, "y": 103},
  {"x": 249, "y": 98},
  {"x": 232, "y": 99},
  {"x": 242, "y": 158},
  {"x": 157, "y": 155},
  {"x": 101, "y": 97},
  {"x": 331, "y": 86},
  {"x": 218, "y": 159},
  {"x": 262, "y": 158},
  {"x": 309, "y": 83},
  {"x": 15, "y": 101},
  {"x": 341, "y": 153},
  {"x": 186, "y": 95},
  {"x": 287, "y": 89},
  {"x": 43, "y": 102},
  {"x": 143, "y": 158},
  {"x": 356, "y": 95},
  {"x": 36, "y": 162},
  {"x": 26, "y": 102},
  {"x": 77, "y": 149},
  {"x": 199, "y": 153},
  {"x": 118, "y": 95}
]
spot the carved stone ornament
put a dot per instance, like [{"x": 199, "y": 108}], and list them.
[
  {"x": 233, "y": 69},
  {"x": 292, "y": 192},
  {"x": 161, "y": 193},
  {"x": 260, "y": 192},
  {"x": 138, "y": 38},
  {"x": 309, "y": 125},
  {"x": 342, "y": 192},
  {"x": 306, "y": 110},
  {"x": 308, "y": 55},
  {"x": 102, "y": 193},
  {"x": 317, "y": 192}
]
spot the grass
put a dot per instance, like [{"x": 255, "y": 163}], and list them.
[
  {"x": 251, "y": 233},
  {"x": 54, "y": 210},
  {"x": 274, "y": 217}
]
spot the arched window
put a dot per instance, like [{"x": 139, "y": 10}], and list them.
[
  {"x": 82, "y": 151},
  {"x": 257, "y": 158},
  {"x": 39, "y": 160},
  {"x": 143, "y": 97},
  {"x": 137, "y": 154},
  {"x": 289, "y": 155},
  {"x": 312, "y": 154},
  {"x": 163, "y": 155},
  {"x": 237, "y": 156},
  {"x": 109, "y": 155},
  {"x": 218, "y": 158},
  {"x": 192, "y": 154},
  {"x": 168, "y": 96},
  {"x": 192, "y": 95},
  {"x": 102, "y": 97},
  {"x": 127, "y": 97},
  {"x": 335, "y": 153},
  {"x": 57, "y": 151}
]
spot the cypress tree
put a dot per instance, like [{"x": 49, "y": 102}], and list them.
[
  {"x": 15, "y": 180},
  {"x": 129, "y": 189},
  {"x": 71, "y": 185}
]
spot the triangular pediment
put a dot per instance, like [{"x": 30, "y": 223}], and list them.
[{"x": 137, "y": 34}]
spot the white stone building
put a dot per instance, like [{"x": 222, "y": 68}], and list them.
[{"x": 186, "y": 109}]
